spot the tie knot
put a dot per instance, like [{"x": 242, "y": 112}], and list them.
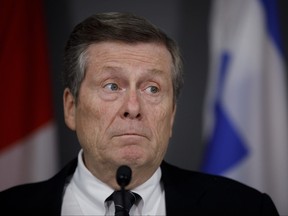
[{"x": 123, "y": 201}]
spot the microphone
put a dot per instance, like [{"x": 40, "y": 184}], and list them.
[{"x": 123, "y": 177}]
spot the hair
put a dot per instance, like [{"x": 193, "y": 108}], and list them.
[{"x": 114, "y": 26}]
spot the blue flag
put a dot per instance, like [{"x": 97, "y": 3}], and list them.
[{"x": 246, "y": 108}]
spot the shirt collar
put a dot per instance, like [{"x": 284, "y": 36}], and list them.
[
  {"x": 150, "y": 191},
  {"x": 92, "y": 192}
]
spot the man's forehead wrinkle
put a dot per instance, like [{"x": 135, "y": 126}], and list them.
[
  {"x": 127, "y": 50},
  {"x": 152, "y": 71}
]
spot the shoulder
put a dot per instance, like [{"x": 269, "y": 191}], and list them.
[
  {"x": 37, "y": 195},
  {"x": 176, "y": 175},
  {"x": 212, "y": 192}
]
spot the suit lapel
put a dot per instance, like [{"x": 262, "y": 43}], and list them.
[
  {"x": 56, "y": 185},
  {"x": 183, "y": 190}
]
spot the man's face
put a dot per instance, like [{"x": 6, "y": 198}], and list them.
[{"x": 125, "y": 111}]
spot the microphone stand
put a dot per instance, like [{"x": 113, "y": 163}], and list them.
[{"x": 123, "y": 177}]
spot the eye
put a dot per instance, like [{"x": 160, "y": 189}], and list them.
[
  {"x": 112, "y": 87},
  {"x": 152, "y": 89}
]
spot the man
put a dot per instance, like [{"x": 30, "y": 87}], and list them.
[{"x": 122, "y": 78}]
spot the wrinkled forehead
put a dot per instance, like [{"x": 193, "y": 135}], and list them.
[{"x": 155, "y": 56}]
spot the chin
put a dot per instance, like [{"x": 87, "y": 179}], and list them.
[{"x": 133, "y": 156}]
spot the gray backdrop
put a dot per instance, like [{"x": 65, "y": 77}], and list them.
[{"x": 184, "y": 20}]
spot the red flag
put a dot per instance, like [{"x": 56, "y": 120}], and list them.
[{"x": 27, "y": 140}]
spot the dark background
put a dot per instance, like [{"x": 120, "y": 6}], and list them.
[{"x": 185, "y": 21}]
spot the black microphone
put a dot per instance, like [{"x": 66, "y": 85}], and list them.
[{"x": 123, "y": 177}]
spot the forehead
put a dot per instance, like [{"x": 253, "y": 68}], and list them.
[{"x": 149, "y": 54}]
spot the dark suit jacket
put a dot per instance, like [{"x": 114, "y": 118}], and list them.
[{"x": 186, "y": 192}]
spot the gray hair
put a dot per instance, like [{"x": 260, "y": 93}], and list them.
[{"x": 114, "y": 26}]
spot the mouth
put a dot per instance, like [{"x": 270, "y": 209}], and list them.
[
  {"x": 131, "y": 135},
  {"x": 131, "y": 131}
]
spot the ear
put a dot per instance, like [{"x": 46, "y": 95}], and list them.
[
  {"x": 69, "y": 105},
  {"x": 172, "y": 119}
]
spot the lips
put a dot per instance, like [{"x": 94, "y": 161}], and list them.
[
  {"x": 142, "y": 132},
  {"x": 130, "y": 134}
]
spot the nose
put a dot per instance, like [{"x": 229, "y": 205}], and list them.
[{"x": 131, "y": 107}]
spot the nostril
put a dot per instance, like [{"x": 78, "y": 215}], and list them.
[{"x": 126, "y": 114}]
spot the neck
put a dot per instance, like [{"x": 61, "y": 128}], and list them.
[{"x": 107, "y": 174}]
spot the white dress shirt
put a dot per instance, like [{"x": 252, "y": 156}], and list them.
[{"x": 86, "y": 195}]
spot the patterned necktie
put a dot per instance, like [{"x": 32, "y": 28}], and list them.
[{"x": 123, "y": 209}]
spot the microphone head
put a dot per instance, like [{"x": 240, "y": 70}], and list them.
[{"x": 123, "y": 175}]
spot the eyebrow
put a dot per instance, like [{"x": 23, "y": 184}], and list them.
[
  {"x": 156, "y": 71},
  {"x": 112, "y": 68}
]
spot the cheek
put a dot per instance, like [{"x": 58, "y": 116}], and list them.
[
  {"x": 161, "y": 124},
  {"x": 88, "y": 121},
  {"x": 93, "y": 117},
  {"x": 86, "y": 113}
]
